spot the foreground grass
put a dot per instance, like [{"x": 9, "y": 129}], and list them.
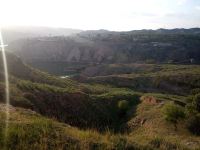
[{"x": 30, "y": 131}]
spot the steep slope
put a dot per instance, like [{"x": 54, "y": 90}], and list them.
[
  {"x": 29, "y": 130},
  {"x": 63, "y": 99}
]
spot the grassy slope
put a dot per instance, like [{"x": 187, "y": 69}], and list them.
[
  {"x": 174, "y": 79},
  {"x": 156, "y": 129},
  {"x": 66, "y": 100},
  {"x": 29, "y": 130},
  {"x": 85, "y": 105}
]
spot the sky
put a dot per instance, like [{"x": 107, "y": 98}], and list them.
[{"x": 116, "y": 15}]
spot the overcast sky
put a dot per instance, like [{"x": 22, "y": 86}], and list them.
[{"x": 102, "y": 14}]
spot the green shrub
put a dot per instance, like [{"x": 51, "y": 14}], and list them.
[
  {"x": 193, "y": 114},
  {"x": 173, "y": 113},
  {"x": 190, "y": 110},
  {"x": 193, "y": 105},
  {"x": 123, "y": 106},
  {"x": 193, "y": 124}
]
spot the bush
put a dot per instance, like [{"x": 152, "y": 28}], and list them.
[
  {"x": 123, "y": 106},
  {"x": 193, "y": 113},
  {"x": 173, "y": 113},
  {"x": 193, "y": 124}
]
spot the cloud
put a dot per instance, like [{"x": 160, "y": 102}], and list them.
[
  {"x": 181, "y": 2},
  {"x": 176, "y": 15},
  {"x": 144, "y": 14},
  {"x": 197, "y": 7}
]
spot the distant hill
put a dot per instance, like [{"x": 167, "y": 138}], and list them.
[
  {"x": 22, "y": 32},
  {"x": 179, "y": 46}
]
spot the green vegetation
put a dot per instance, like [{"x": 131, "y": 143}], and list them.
[
  {"x": 193, "y": 124},
  {"x": 173, "y": 113},
  {"x": 193, "y": 110},
  {"x": 28, "y": 130},
  {"x": 80, "y": 105},
  {"x": 169, "y": 79},
  {"x": 53, "y": 113},
  {"x": 123, "y": 106},
  {"x": 196, "y": 102}
]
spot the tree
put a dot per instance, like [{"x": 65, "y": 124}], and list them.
[
  {"x": 123, "y": 106},
  {"x": 173, "y": 113}
]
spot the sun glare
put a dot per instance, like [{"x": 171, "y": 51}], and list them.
[{"x": 93, "y": 14}]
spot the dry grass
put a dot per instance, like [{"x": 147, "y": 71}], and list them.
[{"x": 155, "y": 126}]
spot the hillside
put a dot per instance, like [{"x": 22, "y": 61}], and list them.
[
  {"x": 66, "y": 100},
  {"x": 26, "y": 126},
  {"x": 172, "y": 79},
  {"x": 87, "y": 115},
  {"x": 67, "y": 55},
  {"x": 29, "y": 130}
]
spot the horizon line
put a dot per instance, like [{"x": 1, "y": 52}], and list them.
[{"x": 99, "y": 29}]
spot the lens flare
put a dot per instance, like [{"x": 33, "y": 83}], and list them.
[{"x": 7, "y": 93}]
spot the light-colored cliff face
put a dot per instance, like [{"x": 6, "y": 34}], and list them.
[{"x": 112, "y": 47}]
